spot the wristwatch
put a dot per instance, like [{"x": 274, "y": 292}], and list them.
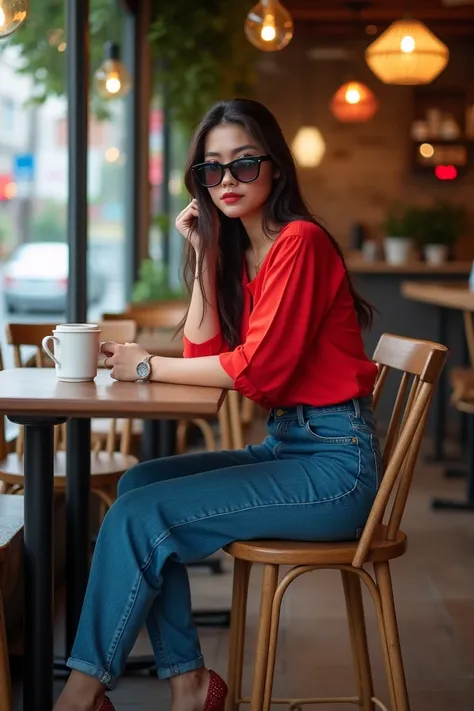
[{"x": 144, "y": 369}]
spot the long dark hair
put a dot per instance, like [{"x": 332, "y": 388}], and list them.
[{"x": 285, "y": 204}]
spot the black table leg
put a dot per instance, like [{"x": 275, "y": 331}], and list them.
[
  {"x": 468, "y": 504},
  {"x": 39, "y": 601},
  {"x": 159, "y": 439},
  {"x": 77, "y": 527},
  {"x": 78, "y": 473}
]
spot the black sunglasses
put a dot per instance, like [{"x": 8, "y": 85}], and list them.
[{"x": 245, "y": 170}]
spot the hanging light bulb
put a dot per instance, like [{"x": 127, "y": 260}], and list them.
[
  {"x": 12, "y": 15},
  {"x": 407, "y": 53},
  {"x": 112, "y": 79},
  {"x": 269, "y": 26},
  {"x": 354, "y": 102},
  {"x": 308, "y": 147}
]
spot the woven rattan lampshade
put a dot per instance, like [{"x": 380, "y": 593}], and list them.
[
  {"x": 407, "y": 53},
  {"x": 354, "y": 102}
]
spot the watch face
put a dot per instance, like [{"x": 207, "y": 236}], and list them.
[{"x": 143, "y": 369}]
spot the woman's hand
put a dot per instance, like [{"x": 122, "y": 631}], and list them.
[
  {"x": 122, "y": 359},
  {"x": 186, "y": 223}
]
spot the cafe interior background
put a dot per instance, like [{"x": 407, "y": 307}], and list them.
[{"x": 376, "y": 99}]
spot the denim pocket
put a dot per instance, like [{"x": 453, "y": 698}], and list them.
[{"x": 326, "y": 429}]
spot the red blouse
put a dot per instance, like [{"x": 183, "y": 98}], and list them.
[{"x": 301, "y": 341}]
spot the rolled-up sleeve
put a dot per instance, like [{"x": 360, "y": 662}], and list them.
[
  {"x": 214, "y": 346},
  {"x": 303, "y": 274}
]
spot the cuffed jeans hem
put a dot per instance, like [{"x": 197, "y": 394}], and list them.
[
  {"x": 176, "y": 669},
  {"x": 92, "y": 670}
]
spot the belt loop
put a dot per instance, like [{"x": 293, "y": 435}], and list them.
[
  {"x": 356, "y": 404},
  {"x": 300, "y": 415}
]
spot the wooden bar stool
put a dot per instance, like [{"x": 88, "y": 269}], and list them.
[{"x": 420, "y": 362}]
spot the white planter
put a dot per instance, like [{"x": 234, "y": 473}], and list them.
[
  {"x": 398, "y": 250},
  {"x": 435, "y": 253}
]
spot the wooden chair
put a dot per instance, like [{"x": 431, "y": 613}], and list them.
[
  {"x": 11, "y": 546},
  {"x": 153, "y": 316},
  {"x": 380, "y": 542},
  {"x": 110, "y": 457}
]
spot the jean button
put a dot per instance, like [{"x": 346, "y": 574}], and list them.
[{"x": 280, "y": 412}]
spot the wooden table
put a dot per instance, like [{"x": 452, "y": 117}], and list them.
[
  {"x": 34, "y": 398},
  {"x": 444, "y": 296}
]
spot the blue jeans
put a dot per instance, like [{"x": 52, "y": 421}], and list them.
[{"x": 314, "y": 478}]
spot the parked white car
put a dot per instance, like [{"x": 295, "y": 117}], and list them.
[{"x": 35, "y": 278}]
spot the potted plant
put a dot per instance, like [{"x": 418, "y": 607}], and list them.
[
  {"x": 444, "y": 224},
  {"x": 153, "y": 284},
  {"x": 398, "y": 241}
]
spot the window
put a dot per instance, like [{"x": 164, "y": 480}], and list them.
[{"x": 8, "y": 113}]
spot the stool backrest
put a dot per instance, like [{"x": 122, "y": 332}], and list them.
[{"x": 420, "y": 364}]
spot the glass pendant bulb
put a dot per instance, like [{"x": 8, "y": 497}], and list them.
[
  {"x": 269, "y": 26},
  {"x": 12, "y": 15},
  {"x": 112, "y": 79}
]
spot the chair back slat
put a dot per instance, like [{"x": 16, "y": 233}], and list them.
[
  {"x": 159, "y": 316},
  {"x": 420, "y": 364},
  {"x": 394, "y": 424},
  {"x": 379, "y": 384},
  {"x": 119, "y": 330},
  {"x": 405, "y": 479},
  {"x": 29, "y": 334}
]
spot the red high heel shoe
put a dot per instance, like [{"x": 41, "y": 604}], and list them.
[
  {"x": 216, "y": 694},
  {"x": 215, "y": 699}
]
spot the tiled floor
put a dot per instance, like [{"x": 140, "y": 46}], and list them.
[{"x": 434, "y": 589}]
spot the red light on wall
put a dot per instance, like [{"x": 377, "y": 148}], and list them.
[{"x": 446, "y": 172}]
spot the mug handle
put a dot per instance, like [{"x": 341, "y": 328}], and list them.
[{"x": 44, "y": 343}]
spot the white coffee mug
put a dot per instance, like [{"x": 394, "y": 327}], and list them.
[{"x": 76, "y": 351}]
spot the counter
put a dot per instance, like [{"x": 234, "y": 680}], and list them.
[{"x": 381, "y": 284}]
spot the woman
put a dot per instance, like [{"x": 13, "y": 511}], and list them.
[{"x": 272, "y": 314}]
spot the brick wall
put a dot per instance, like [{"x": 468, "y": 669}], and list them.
[{"x": 366, "y": 167}]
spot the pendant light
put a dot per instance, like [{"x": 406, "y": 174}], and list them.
[
  {"x": 269, "y": 26},
  {"x": 407, "y": 53},
  {"x": 308, "y": 147},
  {"x": 112, "y": 80},
  {"x": 12, "y": 15},
  {"x": 354, "y": 102}
]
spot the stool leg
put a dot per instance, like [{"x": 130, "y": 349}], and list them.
[
  {"x": 272, "y": 648},
  {"x": 269, "y": 585},
  {"x": 224, "y": 426},
  {"x": 5, "y": 684},
  {"x": 235, "y": 420},
  {"x": 358, "y": 635},
  {"x": 384, "y": 582},
  {"x": 238, "y": 616}
]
